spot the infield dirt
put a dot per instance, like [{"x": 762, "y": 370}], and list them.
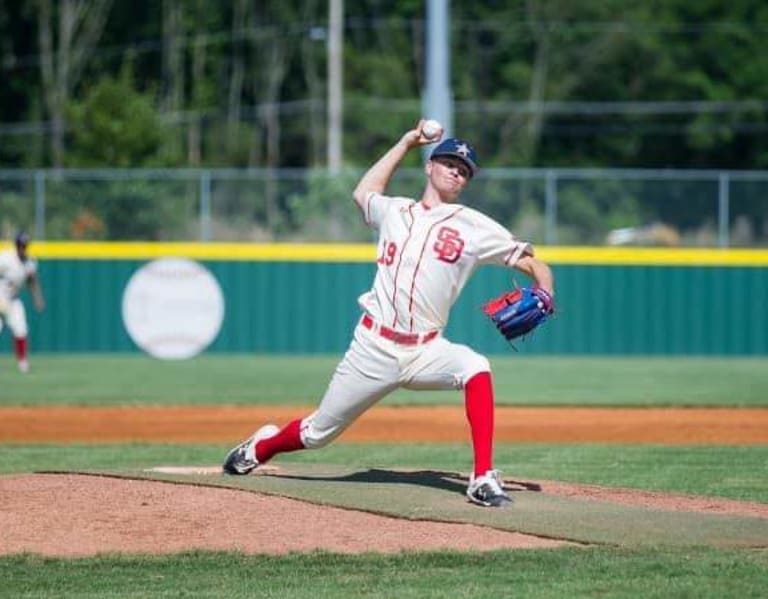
[{"x": 227, "y": 424}]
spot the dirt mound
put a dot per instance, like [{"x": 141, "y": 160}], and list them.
[{"x": 75, "y": 515}]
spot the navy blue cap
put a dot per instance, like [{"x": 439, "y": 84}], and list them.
[
  {"x": 22, "y": 238},
  {"x": 457, "y": 148}
]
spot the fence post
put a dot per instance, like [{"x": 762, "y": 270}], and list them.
[
  {"x": 205, "y": 205},
  {"x": 550, "y": 208},
  {"x": 723, "y": 209},
  {"x": 39, "y": 204}
]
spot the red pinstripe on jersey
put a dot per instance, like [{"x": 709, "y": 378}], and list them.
[
  {"x": 421, "y": 256},
  {"x": 399, "y": 261}
]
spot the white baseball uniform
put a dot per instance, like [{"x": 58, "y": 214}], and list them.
[
  {"x": 14, "y": 274},
  {"x": 425, "y": 257}
]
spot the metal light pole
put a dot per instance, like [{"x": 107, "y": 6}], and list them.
[
  {"x": 437, "y": 99},
  {"x": 335, "y": 83}
]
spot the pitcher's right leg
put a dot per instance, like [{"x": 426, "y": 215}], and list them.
[
  {"x": 367, "y": 373},
  {"x": 349, "y": 394}
]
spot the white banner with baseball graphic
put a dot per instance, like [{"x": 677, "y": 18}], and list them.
[{"x": 173, "y": 308}]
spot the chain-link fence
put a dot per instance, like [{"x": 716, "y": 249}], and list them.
[{"x": 550, "y": 206}]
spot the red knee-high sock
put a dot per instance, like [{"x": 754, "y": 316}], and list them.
[
  {"x": 478, "y": 401},
  {"x": 288, "y": 439},
  {"x": 20, "y": 347}
]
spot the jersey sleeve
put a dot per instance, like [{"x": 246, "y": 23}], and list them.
[
  {"x": 377, "y": 206},
  {"x": 496, "y": 245},
  {"x": 6, "y": 264},
  {"x": 30, "y": 267}
]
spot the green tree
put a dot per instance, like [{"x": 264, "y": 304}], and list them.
[{"x": 114, "y": 125}]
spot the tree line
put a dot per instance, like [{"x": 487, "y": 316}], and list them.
[{"x": 112, "y": 83}]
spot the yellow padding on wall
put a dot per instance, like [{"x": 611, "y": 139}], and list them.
[{"x": 360, "y": 252}]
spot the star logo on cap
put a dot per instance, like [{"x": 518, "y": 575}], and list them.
[{"x": 462, "y": 149}]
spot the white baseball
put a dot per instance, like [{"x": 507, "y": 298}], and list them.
[{"x": 431, "y": 129}]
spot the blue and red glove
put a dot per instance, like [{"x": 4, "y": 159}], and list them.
[{"x": 516, "y": 313}]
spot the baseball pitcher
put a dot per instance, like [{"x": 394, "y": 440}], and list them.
[
  {"x": 427, "y": 250},
  {"x": 18, "y": 270}
]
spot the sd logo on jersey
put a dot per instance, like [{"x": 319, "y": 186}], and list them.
[{"x": 449, "y": 245}]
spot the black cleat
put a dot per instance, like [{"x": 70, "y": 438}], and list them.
[
  {"x": 242, "y": 459},
  {"x": 486, "y": 490}
]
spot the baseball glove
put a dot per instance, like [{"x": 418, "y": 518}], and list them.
[{"x": 516, "y": 313}]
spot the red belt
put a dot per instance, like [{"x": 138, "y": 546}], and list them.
[{"x": 396, "y": 336}]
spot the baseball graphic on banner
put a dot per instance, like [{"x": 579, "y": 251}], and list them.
[{"x": 173, "y": 308}]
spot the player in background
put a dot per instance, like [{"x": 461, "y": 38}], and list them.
[
  {"x": 427, "y": 250},
  {"x": 17, "y": 269}
]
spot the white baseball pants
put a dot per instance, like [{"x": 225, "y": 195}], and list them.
[{"x": 374, "y": 366}]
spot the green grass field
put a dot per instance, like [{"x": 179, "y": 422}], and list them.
[
  {"x": 609, "y": 381},
  {"x": 731, "y": 472},
  {"x": 734, "y": 472},
  {"x": 545, "y": 574}
]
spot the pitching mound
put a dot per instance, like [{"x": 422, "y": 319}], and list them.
[
  {"x": 580, "y": 514},
  {"x": 75, "y": 515},
  {"x": 302, "y": 507}
]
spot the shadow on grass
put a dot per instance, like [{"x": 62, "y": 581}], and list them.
[{"x": 447, "y": 481}]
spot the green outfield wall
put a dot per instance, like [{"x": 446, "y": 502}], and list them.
[{"x": 303, "y": 299}]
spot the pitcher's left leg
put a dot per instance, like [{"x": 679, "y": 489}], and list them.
[{"x": 446, "y": 365}]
